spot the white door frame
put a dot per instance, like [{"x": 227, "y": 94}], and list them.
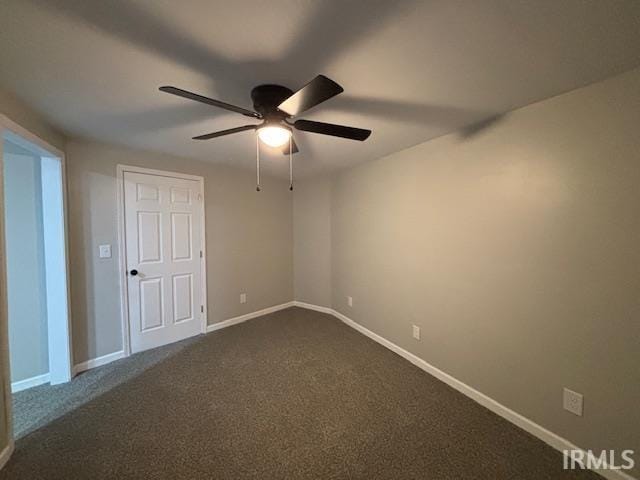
[
  {"x": 122, "y": 264},
  {"x": 64, "y": 364}
]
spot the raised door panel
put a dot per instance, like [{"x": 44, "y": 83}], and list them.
[
  {"x": 181, "y": 236},
  {"x": 151, "y": 304},
  {"x": 180, "y": 195},
  {"x": 182, "y": 298},
  {"x": 149, "y": 237},
  {"x": 145, "y": 191}
]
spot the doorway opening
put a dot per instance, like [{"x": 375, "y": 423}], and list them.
[{"x": 36, "y": 262}]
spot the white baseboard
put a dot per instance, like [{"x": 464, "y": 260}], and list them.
[
  {"x": 310, "y": 306},
  {"x": 98, "y": 362},
  {"x": 29, "y": 383},
  {"x": 247, "y": 316},
  {"x": 550, "y": 438},
  {"x": 5, "y": 455}
]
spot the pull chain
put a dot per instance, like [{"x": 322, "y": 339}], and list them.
[
  {"x": 257, "y": 164},
  {"x": 290, "y": 163}
]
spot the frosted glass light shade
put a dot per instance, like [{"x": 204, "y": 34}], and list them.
[{"x": 274, "y": 136}]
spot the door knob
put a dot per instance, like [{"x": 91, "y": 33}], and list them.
[{"x": 133, "y": 272}]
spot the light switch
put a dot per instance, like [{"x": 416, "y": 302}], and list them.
[{"x": 105, "y": 251}]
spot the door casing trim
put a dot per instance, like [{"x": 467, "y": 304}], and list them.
[
  {"x": 7, "y": 124},
  {"x": 122, "y": 260}
]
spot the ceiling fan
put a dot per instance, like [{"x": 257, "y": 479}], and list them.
[{"x": 275, "y": 105}]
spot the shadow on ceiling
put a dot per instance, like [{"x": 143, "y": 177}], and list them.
[{"x": 329, "y": 30}]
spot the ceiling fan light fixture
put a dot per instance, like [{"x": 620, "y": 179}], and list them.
[{"x": 274, "y": 136}]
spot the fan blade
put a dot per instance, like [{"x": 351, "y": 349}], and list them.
[
  {"x": 225, "y": 132},
  {"x": 333, "y": 130},
  {"x": 294, "y": 147},
  {"x": 209, "y": 101},
  {"x": 316, "y": 91}
]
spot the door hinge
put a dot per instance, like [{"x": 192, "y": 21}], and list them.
[
  {"x": 200, "y": 253},
  {"x": 201, "y": 308}
]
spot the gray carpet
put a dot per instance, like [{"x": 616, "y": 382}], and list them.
[
  {"x": 295, "y": 394},
  {"x": 36, "y": 407}
]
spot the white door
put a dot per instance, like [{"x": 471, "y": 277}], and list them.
[{"x": 163, "y": 239}]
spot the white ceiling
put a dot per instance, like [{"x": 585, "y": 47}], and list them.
[{"x": 411, "y": 70}]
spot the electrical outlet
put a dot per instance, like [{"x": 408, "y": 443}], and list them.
[
  {"x": 416, "y": 332},
  {"x": 243, "y": 298},
  {"x": 350, "y": 301},
  {"x": 572, "y": 401}
]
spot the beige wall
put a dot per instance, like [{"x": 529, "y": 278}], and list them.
[
  {"x": 19, "y": 112},
  {"x": 312, "y": 241},
  {"x": 249, "y": 241},
  {"x": 517, "y": 251}
]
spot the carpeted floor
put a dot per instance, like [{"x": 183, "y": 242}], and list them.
[{"x": 295, "y": 394}]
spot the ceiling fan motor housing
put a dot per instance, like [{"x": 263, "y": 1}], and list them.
[{"x": 266, "y": 99}]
